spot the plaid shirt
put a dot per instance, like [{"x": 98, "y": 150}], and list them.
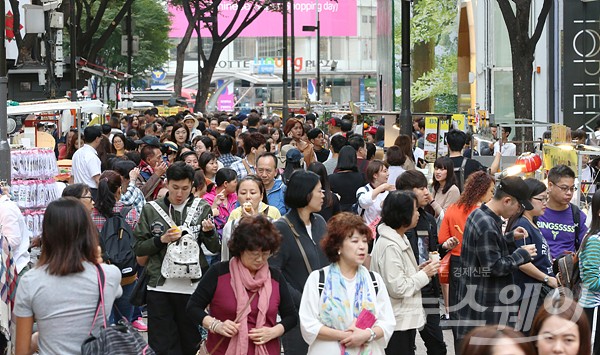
[
  {"x": 228, "y": 159},
  {"x": 131, "y": 218},
  {"x": 133, "y": 197},
  {"x": 240, "y": 169},
  {"x": 487, "y": 262}
]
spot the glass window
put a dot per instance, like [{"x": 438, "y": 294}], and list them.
[
  {"x": 269, "y": 47},
  {"x": 244, "y": 48},
  {"x": 503, "y": 107},
  {"x": 502, "y": 56}
]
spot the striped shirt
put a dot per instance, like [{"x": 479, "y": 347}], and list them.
[{"x": 589, "y": 270}]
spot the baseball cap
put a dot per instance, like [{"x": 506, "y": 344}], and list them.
[
  {"x": 149, "y": 140},
  {"x": 293, "y": 156},
  {"x": 335, "y": 121},
  {"x": 230, "y": 130},
  {"x": 517, "y": 188}
]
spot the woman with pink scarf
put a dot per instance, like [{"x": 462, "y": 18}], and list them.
[{"x": 245, "y": 295}]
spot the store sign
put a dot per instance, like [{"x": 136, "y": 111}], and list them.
[
  {"x": 581, "y": 63},
  {"x": 337, "y": 19},
  {"x": 434, "y": 139},
  {"x": 269, "y": 64},
  {"x": 554, "y": 156}
]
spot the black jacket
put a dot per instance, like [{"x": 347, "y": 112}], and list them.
[
  {"x": 289, "y": 259},
  {"x": 426, "y": 227}
]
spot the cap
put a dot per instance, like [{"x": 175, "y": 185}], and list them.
[
  {"x": 240, "y": 117},
  {"x": 293, "y": 156},
  {"x": 372, "y": 130},
  {"x": 230, "y": 130},
  {"x": 222, "y": 126},
  {"x": 311, "y": 117},
  {"x": 335, "y": 121},
  {"x": 170, "y": 145},
  {"x": 149, "y": 140},
  {"x": 517, "y": 188}
]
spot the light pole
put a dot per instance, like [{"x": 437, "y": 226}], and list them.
[
  {"x": 285, "y": 62},
  {"x": 293, "y": 45},
  {"x": 317, "y": 28},
  {"x": 4, "y": 146},
  {"x": 405, "y": 114},
  {"x": 73, "y": 41},
  {"x": 129, "y": 48}
]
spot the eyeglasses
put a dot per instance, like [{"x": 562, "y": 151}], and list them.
[
  {"x": 258, "y": 254},
  {"x": 542, "y": 200},
  {"x": 90, "y": 197},
  {"x": 566, "y": 189}
]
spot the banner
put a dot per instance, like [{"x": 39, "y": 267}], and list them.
[
  {"x": 434, "y": 139},
  {"x": 555, "y": 155}
]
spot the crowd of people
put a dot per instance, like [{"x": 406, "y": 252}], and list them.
[{"x": 251, "y": 235}]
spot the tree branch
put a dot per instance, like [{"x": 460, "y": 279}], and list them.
[
  {"x": 109, "y": 31},
  {"x": 509, "y": 18},
  {"x": 541, "y": 21}
]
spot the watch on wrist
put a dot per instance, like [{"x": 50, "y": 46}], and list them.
[{"x": 546, "y": 279}]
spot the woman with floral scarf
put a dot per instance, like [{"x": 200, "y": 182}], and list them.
[{"x": 345, "y": 308}]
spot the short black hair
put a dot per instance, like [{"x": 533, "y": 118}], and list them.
[
  {"x": 224, "y": 144},
  {"x": 337, "y": 142},
  {"x": 106, "y": 128},
  {"x": 91, "y": 133},
  {"x": 266, "y": 155},
  {"x": 225, "y": 175},
  {"x": 347, "y": 121},
  {"x": 560, "y": 171},
  {"x": 123, "y": 167},
  {"x": 314, "y": 133},
  {"x": 180, "y": 171},
  {"x": 456, "y": 140},
  {"x": 299, "y": 188},
  {"x": 398, "y": 208},
  {"x": 411, "y": 179},
  {"x": 253, "y": 119},
  {"x": 507, "y": 129},
  {"x": 357, "y": 142},
  {"x": 371, "y": 150},
  {"x": 75, "y": 190}
]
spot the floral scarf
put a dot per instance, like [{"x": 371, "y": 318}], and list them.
[{"x": 336, "y": 311}]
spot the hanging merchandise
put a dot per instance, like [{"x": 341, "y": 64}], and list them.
[
  {"x": 34, "y": 193},
  {"x": 34, "y": 163}
]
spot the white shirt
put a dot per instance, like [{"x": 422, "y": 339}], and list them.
[
  {"x": 310, "y": 323},
  {"x": 372, "y": 207},
  {"x": 508, "y": 149},
  {"x": 86, "y": 165},
  {"x": 14, "y": 228}
]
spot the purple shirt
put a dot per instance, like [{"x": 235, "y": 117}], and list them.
[{"x": 558, "y": 228}]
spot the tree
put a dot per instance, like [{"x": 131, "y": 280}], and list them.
[
  {"x": 430, "y": 25},
  {"x": 246, "y": 12},
  {"x": 522, "y": 49},
  {"x": 151, "y": 23}
]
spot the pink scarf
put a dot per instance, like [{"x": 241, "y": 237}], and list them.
[{"x": 242, "y": 282}]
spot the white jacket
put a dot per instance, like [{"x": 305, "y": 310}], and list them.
[{"x": 394, "y": 260}]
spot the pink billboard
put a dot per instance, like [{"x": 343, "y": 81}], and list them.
[{"x": 338, "y": 19}]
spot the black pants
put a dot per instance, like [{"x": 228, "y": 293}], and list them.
[
  {"x": 170, "y": 330},
  {"x": 432, "y": 334},
  {"x": 453, "y": 297},
  {"x": 402, "y": 342},
  {"x": 293, "y": 343},
  {"x": 589, "y": 312}
]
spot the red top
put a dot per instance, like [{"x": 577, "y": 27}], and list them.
[{"x": 455, "y": 216}]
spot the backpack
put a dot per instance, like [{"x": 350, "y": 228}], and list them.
[
  {"x": 116, "y": 241},
  {"x": 356, "y": 209},
  {"x": 322, "y": 281},
  {"x": 459, "y": 172},
  {"x": 566, "y": 267},
  {"x": 182, "y": 259}
]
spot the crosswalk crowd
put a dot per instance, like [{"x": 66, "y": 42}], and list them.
[{"x": 239, "y": 234}]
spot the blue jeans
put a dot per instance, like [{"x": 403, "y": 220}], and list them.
[
  {"x": 213, "y": 259},
  {"x": 122, "y": 304}
]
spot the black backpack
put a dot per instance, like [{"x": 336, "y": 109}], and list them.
[
  {"x": 459, "y": 173},
  {"x": 116, "y": 241}
]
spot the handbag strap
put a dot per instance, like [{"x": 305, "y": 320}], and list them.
[
  {"x": 101, "y": 283},
  {"x": 297, "y": 238},
  {"x": 237, "y": 319},
  {"x": 162, "y": 213},
  {"x": 192, "y": 212}
]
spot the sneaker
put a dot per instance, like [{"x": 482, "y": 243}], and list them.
[{"x": 140, "y": 325}]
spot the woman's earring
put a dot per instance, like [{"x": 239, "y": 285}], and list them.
[{"x": 339, "y": 252}]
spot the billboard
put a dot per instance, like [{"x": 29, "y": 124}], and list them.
[
  {"x": 581, "y": 62},
  {"x": 338, "y": 19}
]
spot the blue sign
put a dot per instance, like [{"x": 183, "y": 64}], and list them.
[
  {"x": 159, "y": 75},
  {"x": 266, "y": 69}
]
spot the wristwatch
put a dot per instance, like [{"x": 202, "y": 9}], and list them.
[{"x": 546, "y": 279}]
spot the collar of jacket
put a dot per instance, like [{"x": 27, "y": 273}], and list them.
[
  {"x": 492, "y": 214},
  {"x": 390, "y": 234},
  {"x": 168, "y": 203},
  {"x": 277, "y": 185}
]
